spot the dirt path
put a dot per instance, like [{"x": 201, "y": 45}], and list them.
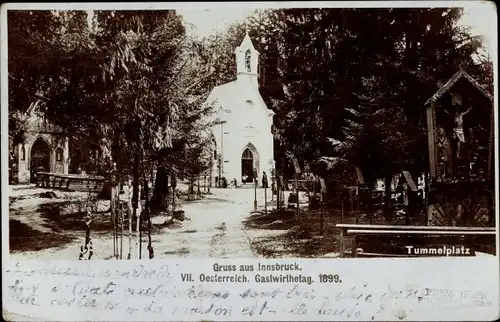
[{"x": 214, "y": 229}]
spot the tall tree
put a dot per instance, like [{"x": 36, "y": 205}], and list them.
[
  {"x": 127, "y": 82},
  {"x": 338, "y": 60}
]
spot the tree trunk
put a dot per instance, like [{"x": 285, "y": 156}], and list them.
[
  {"x": 191, "y": 186},
  {"x": 426, "y": 196},
  {"x": 149, "y": 208},
  {"x": 278, "y": 193},
  {"x": 147, "y": 211},
  {"x": 135, "y": 185},
  {"x": 135, "y": 199},
  {"x": 160, "y": 192}
]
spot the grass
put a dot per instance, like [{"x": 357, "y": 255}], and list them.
[
  {"x": 57, "y": 220},
  {"x": 304, "y": 236},
  {"x": 23, "y": 238},
  {"x": 67, "y": 216}
]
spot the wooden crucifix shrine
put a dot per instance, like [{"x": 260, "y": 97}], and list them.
[
  {"x": 460, "y": 136},
  {"x": 460, "y": 130}
]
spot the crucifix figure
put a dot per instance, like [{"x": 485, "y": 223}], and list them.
[{"x": 458, "y": 130}]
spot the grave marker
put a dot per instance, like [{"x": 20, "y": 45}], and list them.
[
  {"x": 323, "y": 185},
  {"x": 361, "y": 179},
  {"x": 296, "y": 165},
  {"x": 410, "y": 181}
]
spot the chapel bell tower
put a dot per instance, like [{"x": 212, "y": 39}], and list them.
[{"x": 247, "y": 60}]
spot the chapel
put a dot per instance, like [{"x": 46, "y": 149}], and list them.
[
  {"x": 242, "y": 136},
  {"x": 42, "y": 148}
]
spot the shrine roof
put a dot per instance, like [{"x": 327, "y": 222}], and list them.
[{"x": 452, "y": 81}]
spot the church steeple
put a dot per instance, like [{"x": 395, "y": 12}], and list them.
[{"x": 247, "y": 60}]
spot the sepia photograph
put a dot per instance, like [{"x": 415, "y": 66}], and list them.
[{"x": 238, "y": 132}]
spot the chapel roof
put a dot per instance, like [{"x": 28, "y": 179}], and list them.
[
  {"x": 234, "y": 94},
  {"x": 452, "y": 81},
  {"x": 247, "y": 42}
]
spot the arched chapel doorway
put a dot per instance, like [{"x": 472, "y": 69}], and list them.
[
  {"x": 40, "y": 157},
  {"x": 249, "y": 163}
]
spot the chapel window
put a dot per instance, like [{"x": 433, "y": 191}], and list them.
[
  {"x": 59, "y": 154},
  {"x": 248, "y": 61}
]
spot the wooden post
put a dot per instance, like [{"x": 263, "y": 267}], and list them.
[
  {"x": 357, "y": 206},
  {"x": 431, "y": 140},
  {"x": 351, "y": 203},
  {"x": 138, "y": 234},
  {"x": 138, "y": 220},
  {"x": 265, "y": 200},
  {"x": 169, "y": 178},
  {"x": 278, "y": 192},
  {"x": 321, "y": 211},
  {"x": 121, "y": 231},
  {"x": 354, "y": 247},
  {"x": 130, "y": 213},
  {"x": 426, "y": 196},
  {"x": 117, "y": 232},
  {"x": 342, "y": 249},
  {"x": 297, "y": 191},
  {"x": 112, "y": 212},
  {"x": 116, "y": 197},
  {"x": 255, "y": 195},
  {"x": 308, "y": 191}
]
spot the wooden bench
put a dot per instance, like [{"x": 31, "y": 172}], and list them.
[
  {"x": 391, "y": 230},
  {"x": 45, "y": 179}
]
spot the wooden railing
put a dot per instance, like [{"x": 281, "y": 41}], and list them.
[
  {"x": 378, "y": 230},
  {"x": 59, "y": 180}
]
